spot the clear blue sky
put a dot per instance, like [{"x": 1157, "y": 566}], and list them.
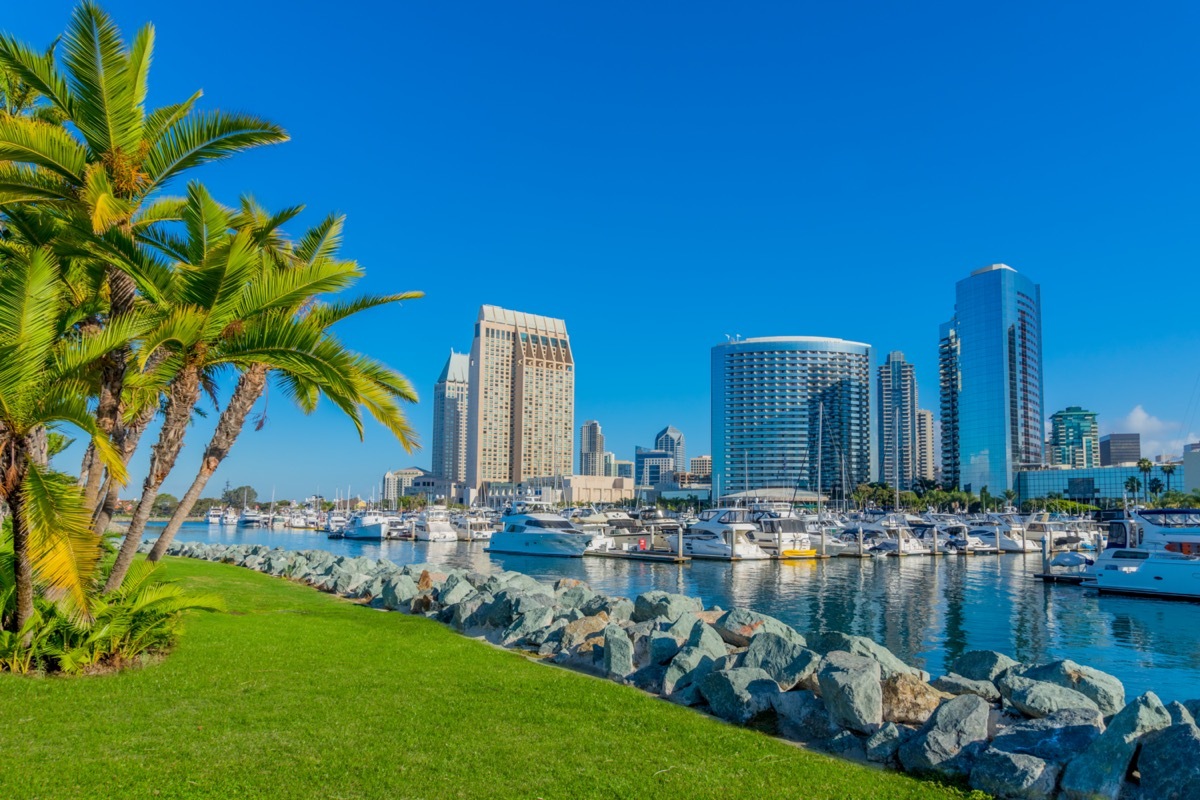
[{"x": 662, "y": 174}]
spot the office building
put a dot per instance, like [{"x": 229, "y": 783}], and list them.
[
  {"x": 780, "y": 402},
  {"x": 451, "y": 397},
  {"x": 670, "y": 439},
  {"x": 1120, "y": 448},
  {"x": 610, "y": 469},
  {"x": 701, "y": 466},
  {"x": 622, "y": 469},
  {"x": 897, "y": 414},
  {"x": 1074, "y": 439},
  {"x": 927, "y": 466},
  {"x": 653, "y": 467},
  {"x": 591, "y": 449},
  {"x": 990, "y": 370},
  {"x": 397, "y": 482},
  {"x": 522, "y": 407},
  {"x": 1099, "y": 486}
]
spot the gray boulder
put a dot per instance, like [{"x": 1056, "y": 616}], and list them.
[
  {"x": 688, "y": 667},
  {"x": 455, "y": 590},
  {"x": 1180, "y": 714},
  {"x": 784, "y": 660},
  {"x": 739, "y": 625},
  {"x": 802, "y": 717},
  {"x": 398, "y": 591},
  {"x": 889, "y": 664},
  {"x": 1106, "y": 691},
  {"x": 618, "y": 652},
  {"x": 662, "y": 647},
  {"x": 850, "y": 687},
  {"x": 575, "y": 596},
  {"x": 882, "y": 746},
  {"x": 1014, "y": 775},
  {"x": 982, "y": 665},
  {"x": 1039, "y": 698},
  {"x": 1101, "y": 769},
  {"x": 953, "y": 683},
  {"x": 1057, "y": 738},
  {"x": 844, "y": 744},
  {"x": 955, "y": 725},
  {"x": 1169, "y": 763},
  {"x": 738, "y": 695},
  {"x": 663, "y": 605},
  {"x": 707, "y": 640},
  {"x": 526, "y": 625}
]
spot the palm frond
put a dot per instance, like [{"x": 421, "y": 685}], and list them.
[
  {"x": 62, "y": 547},
  {"x": 24, "y": 184},
  {"x": 101, "y": 84},
  {"x": 51, "y": 147},
  {"x": 199, "y": 138},
  {"x": 325, "y": 315},
  {"x": 321, "y": 241},
  {"x": 36, "y": 69}
]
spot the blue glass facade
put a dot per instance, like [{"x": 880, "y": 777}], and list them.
[
  {"x": 991, "y": 381},
  {"x": 770, "y": 396},
  {"x": 1098, "y": 485}
]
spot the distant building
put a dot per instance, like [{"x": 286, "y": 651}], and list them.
[
  {"x": 397, "y": 482},
  {"x": 1120, "y": 448},
  {"x": 1074, "y": 439},
  {"x": 522, "y": 407},
  {"x": 591, "y": 449},
  {"x": 701, "y": 466},
  {"x": 653, "y": 467},
  {"x": 990, "y": 370},
  {"x": 451, "y": 396},
  {"x": 622, "y": 469},
  {"x": 1101, "y": 486},
  {"x": 897, "y": 422},
  {"x": 927, "y": 466},
  {"x": 610, "y": 468},
  {"x": 671, "y": 440},
  {"x": 779, "y": 401},
  {"x": 1190, "y": 467}
]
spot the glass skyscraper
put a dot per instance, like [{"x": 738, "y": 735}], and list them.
[
  {"x": 990, "y": 359},
  {"x": 770, "y": 396}
]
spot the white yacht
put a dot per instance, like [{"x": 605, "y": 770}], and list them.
[
  {"x": 787, "y": 537},
  {"x": 398, "y": 528},
  {"x": 473, "y": 526},
  {"x": 230, "y": 517},
  {"x": 995, "y": 533},
  {"x": 1154, "y": 552},
  {"x": 434, "y": 526},
  {"x": 214, "y": 516},
  {"x": 296, "y": 520},
  {"x": 539, "y": 534},
  {"x": 368, "y": 525},
  {"x": 250, "y": 518},
  {"x": 723, "y": 533},
  {"x": 335, "y": 522}
]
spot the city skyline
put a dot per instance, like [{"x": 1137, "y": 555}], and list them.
[{"x": 560, "y": 205}]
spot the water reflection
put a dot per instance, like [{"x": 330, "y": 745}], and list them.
[{"x": 927, "y": 611}]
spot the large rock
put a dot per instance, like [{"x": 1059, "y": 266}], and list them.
[
  {"x": 955, "y": 725},
  {"x": 1169, "y": 763},
  {"x": 527, "y": 625},
  {"x": 688, "y": 667},
  {"x": 575, "y": 633},
  {"x": 618, "y": 652},
  {"x": 908, "y": 699},
  {"x": 851, "y": 691},
  {"x": 455, "y": 590},
  {"x": 662, "y": 647},
  {"x": 982, "y": 665},
  {"x": 953, "y": 683},
  {"x": 882, "y": 746},
  {"x": 802, "y": 717},
  {"x": 398, "y": 592},
  {"x": 705, "y": 638},
  {"x": 1057, "y": 738},
  {"x": 1100, "y": 770},
  {"x": 1039, "y": 698},
  {"x": 1180, "y": 714},
  {"x": 663, "y": 605},
  {"x": 1105, "y": 691},
  {"x": 1014, "y": 775},
  {"x": 784, "y": 660},
  {"x": 739, "y": 625},
  {"x": 889, "y": 664},
  {"x": 738, "y": 695}
]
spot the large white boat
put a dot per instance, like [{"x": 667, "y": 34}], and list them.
[
  {"x": 473, "y": 526},
  {"x": 250, "y": 518},
  {"x": 539, "y": 534},
  {"x": 366, "y": 525},
  {"x": 993, "y": 534},
  {"x": 723, "y": 533},
  {"x": 229, "y": 517},
  {"x": 214, "y": 516},
  {"x": 335, "y": 521},
  {"x": 1154, "y": 552},
  {"x": 434, "y": 526}
]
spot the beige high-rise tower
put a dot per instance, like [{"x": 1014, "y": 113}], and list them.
[{"x": 522, "y": 405}]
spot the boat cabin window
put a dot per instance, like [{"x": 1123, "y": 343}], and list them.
[
  {"x": 1117, "y": 536},
  {"x": 1131, "y": 555},
  {"x": 707, "y": 514},
  {"x": 1171, "y": 517},
  {"x": 735, "y": 515},
  {"x": 554, "y": 524}
]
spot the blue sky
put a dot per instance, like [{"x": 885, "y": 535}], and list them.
[{"x": 663, "y": 174}]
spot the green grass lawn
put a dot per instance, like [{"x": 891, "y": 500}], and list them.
[{"x": 294, "y": 693}]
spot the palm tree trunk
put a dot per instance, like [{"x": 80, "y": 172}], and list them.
[
  {"x": 233, "y": 418},
  {"x": 122, "y": 292},
  {"x": 89, "y": 461},
  {"x": 22, "y": 566},
  {"x": 182, "y": 396},
  {"x": 128, "y": 445}
]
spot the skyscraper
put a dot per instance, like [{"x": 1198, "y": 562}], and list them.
[
  {"x": 1074, "y": 439},
  {"x": 1120, "y": 448},
  {"x": 522, "y": 407},
  {"x": 990, "y": 363},
  {"x": 450, "y": 410},
  {"x": 671, "y": 440},
  {"x": 926, "y": 446},
  {"x": 591, "y": 449},
  {"x": 779, "y": 401},
  {"x": 653, "y": 467},
  {"x": 897, "y": 422},
  {"x": 701, "y": 466}
]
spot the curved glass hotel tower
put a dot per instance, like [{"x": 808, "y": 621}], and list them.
[
  {"x": 770, "y": 395},
  {"x": 990, "y": 363}
]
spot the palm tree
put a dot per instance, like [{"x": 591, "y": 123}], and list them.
[
  {"x": 1010, "y": 496},
  {"x": 1156, "y": 487},
  {"x": 1133, "y": 486},
  {"x": 111, "y": 159},
  {"x": 1145, "y": 466},
  {"x": 1168, "y": 470},
  {"x": 43, "y": 364}
]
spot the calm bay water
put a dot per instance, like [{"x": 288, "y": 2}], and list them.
[{"x": 927, "y": 611}]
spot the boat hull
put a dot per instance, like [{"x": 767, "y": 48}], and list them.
[
  {"x": 559, "y": 545},
  {"x": 370, "y": 533}
]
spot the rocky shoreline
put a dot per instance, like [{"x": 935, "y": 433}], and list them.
[{"x": 1056, "y": 730}]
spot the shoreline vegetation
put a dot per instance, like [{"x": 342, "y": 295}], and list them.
[{"x": 298, "y": 694}]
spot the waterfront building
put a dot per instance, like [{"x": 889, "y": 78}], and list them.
[
  {"x": 897, "y": 416},
  {"x": 610, "y": 468},
  {"x": 1074, "y": 439},
  {"x": 622, "y": 469},
  {"x": 1100, "y": 486},
  {"x": 397, "y": 482},
  {"x": 990, "y": 370},
  {"x": 927, "y": 466},
  {"x": 779, "y": 401},
  {"x": 451, "y": 397},
  {"x": 670, "y": 439},
  {"x": 1190, "y": 466},
  {"x": 701, "y": 466},
  {"x": 653, "y": 467},
  {"x": 522, "y": 406},
  {"x": 591, "y": 449},
  {"x": 1120, "y": 448}
]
